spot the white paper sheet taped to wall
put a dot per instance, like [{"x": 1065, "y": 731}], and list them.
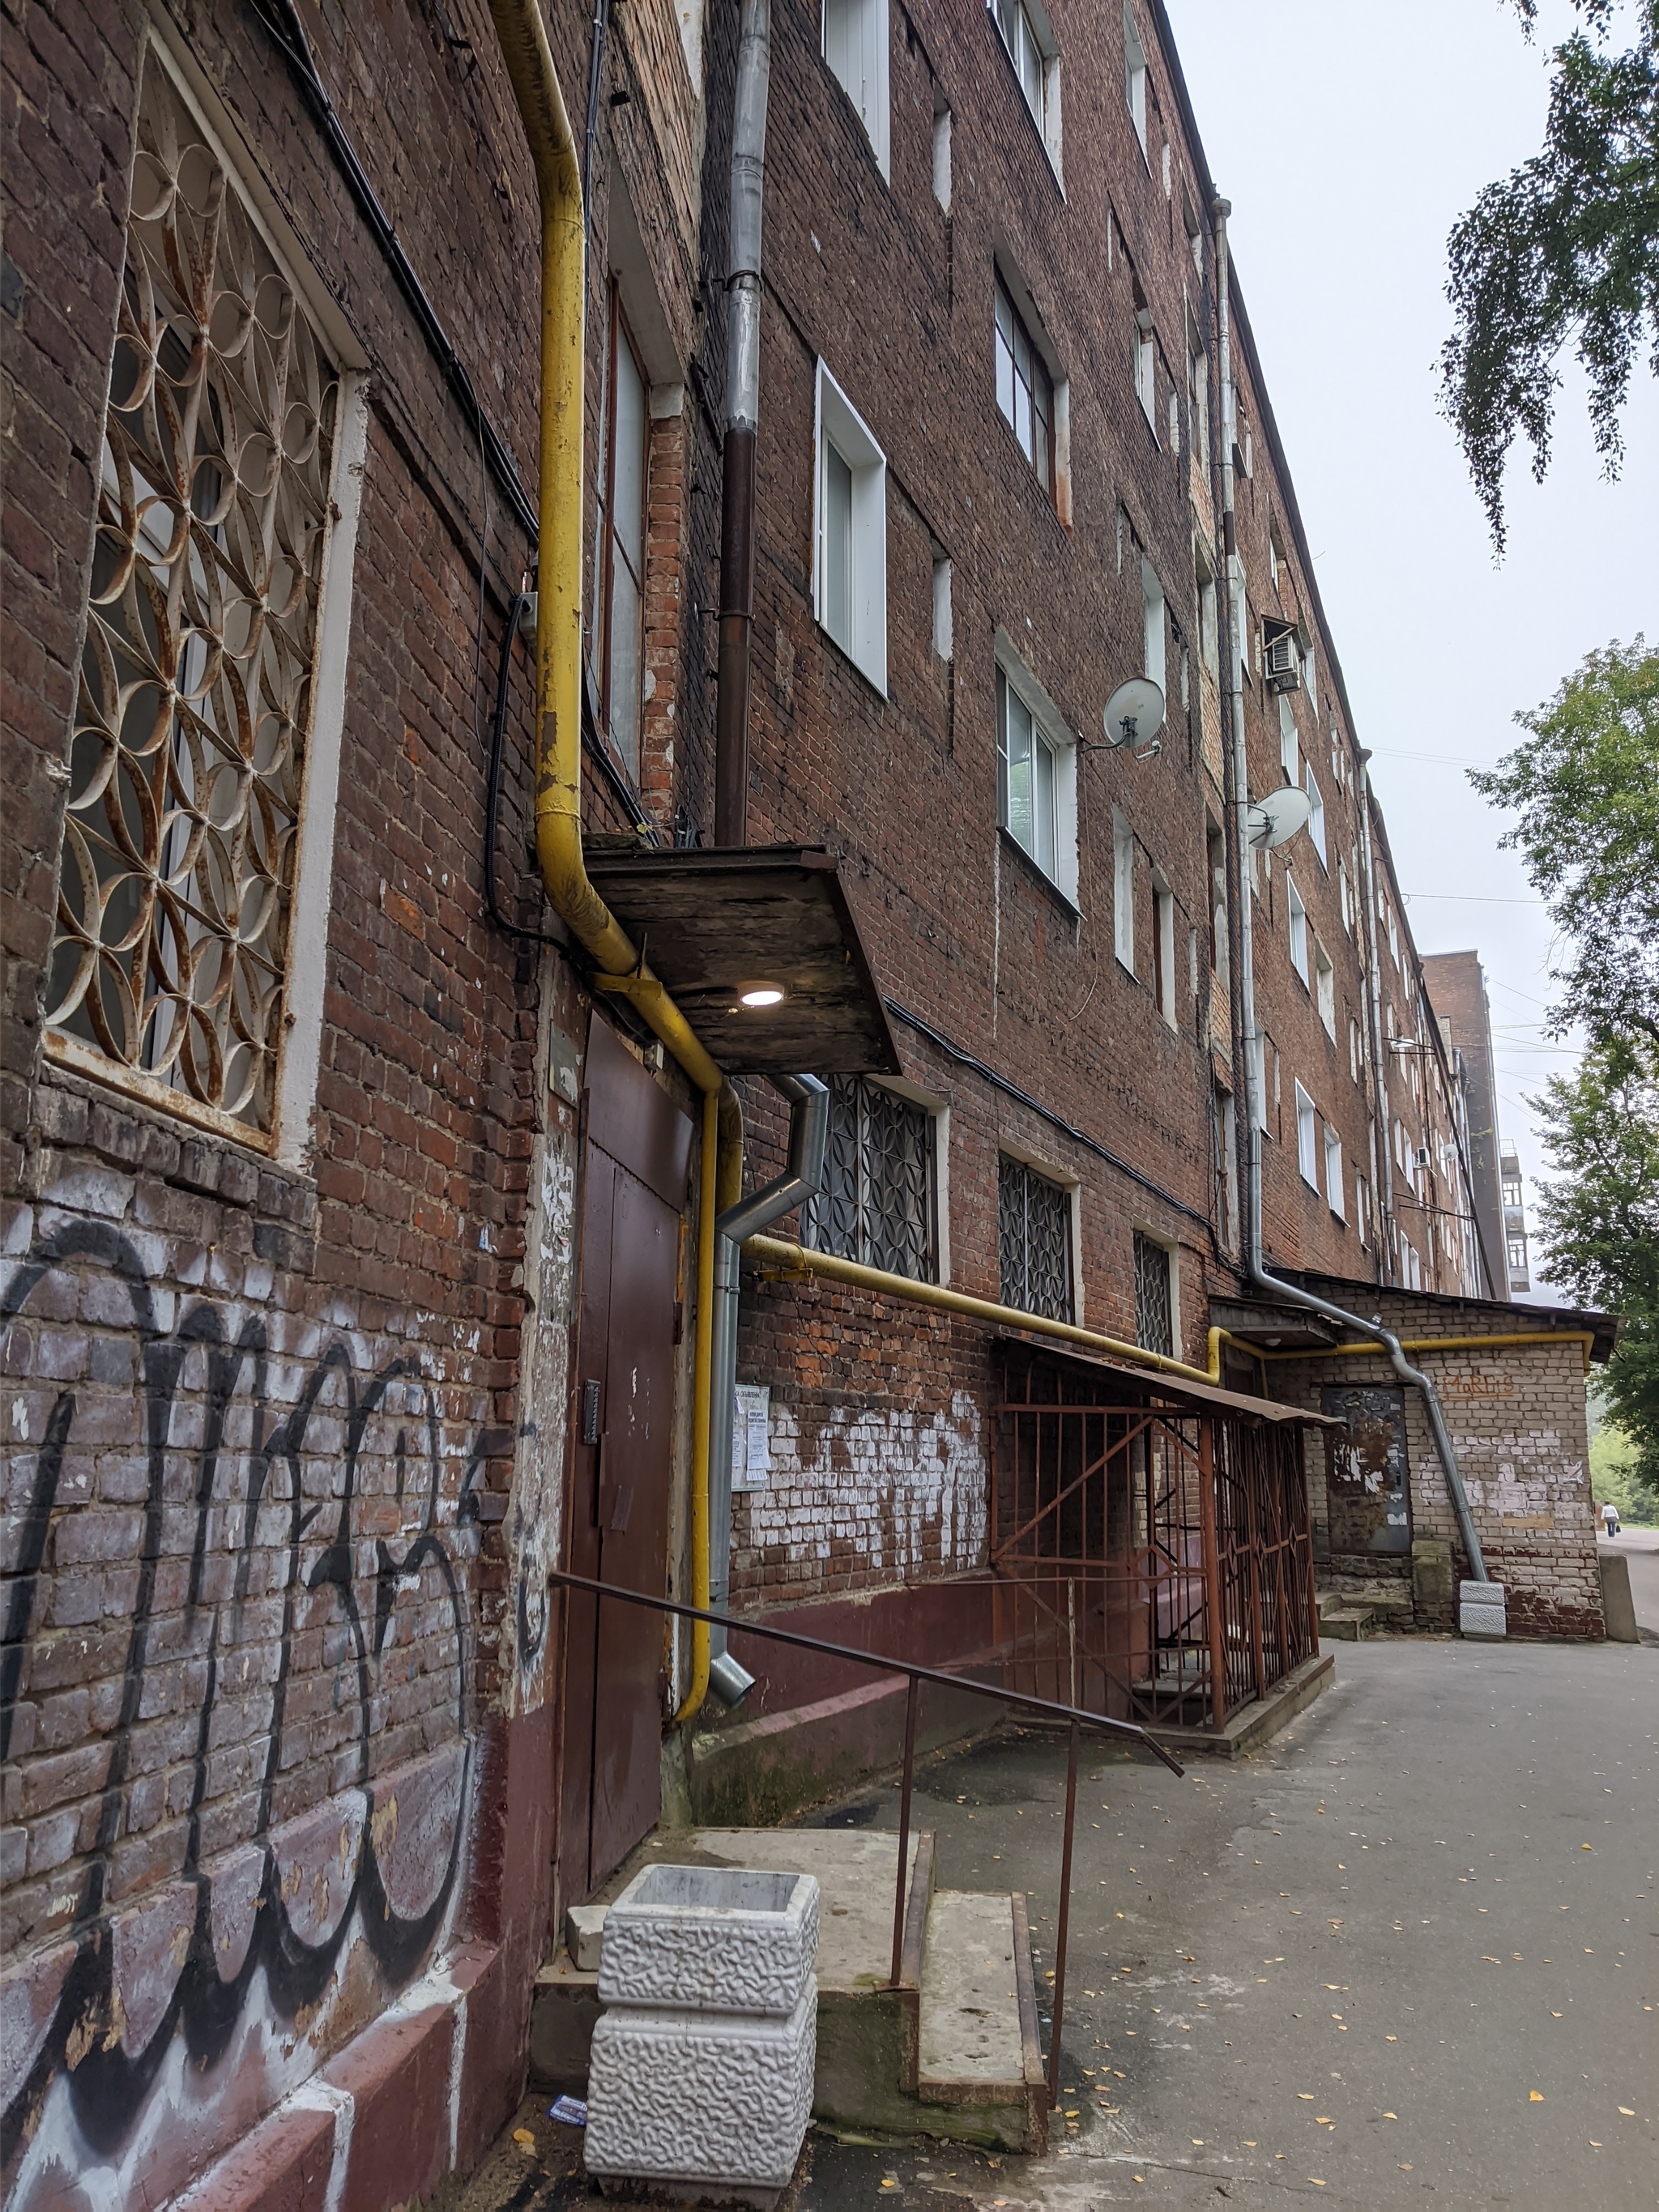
[{"x": 751, "y": 1451}]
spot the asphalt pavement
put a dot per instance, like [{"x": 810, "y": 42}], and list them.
[{"x": 1410, "y": 1948}]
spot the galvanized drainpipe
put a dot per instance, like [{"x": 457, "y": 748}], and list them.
[
  {"x": 809, "y": 1131},
  {"x": 1379, "y": 1053},
  {"x": 743, "y": 306},
  {"x": 1253, "y": 1071}
]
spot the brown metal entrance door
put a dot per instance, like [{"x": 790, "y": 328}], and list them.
[
  {"x": 635, "y": 1168},
  {"x": 1366, "y": 1491}
]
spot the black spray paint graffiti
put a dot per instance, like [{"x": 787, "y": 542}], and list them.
[{"x": 107, "y": 2085}]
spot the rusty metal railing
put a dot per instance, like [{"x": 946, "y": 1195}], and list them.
[{"x": 1043, "y": 1708}]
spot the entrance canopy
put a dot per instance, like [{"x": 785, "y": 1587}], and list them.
[
  {"x": 759, "y": 946},
  {"x": 1142, "y": 1386}
]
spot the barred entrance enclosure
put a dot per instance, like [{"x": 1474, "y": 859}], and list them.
[{"x": 1152, "y": 1551}]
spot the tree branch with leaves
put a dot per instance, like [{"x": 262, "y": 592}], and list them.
[{"x": 1566, "y": 246}]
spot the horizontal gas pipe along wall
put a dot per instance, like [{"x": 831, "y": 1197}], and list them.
[
  {"x": 779, "y": 1255},
  {"x": 529, "y": 59}
]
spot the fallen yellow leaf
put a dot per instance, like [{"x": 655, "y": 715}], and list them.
[
  {"x": 1627, "y": 2112},
  {"x": 1535, "y": 2096},
  {"x": 1391, "y": 2116},
  {"x": 523, "y": 2135}
]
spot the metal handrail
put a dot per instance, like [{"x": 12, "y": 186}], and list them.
[{"x": 916, "y": 1675}]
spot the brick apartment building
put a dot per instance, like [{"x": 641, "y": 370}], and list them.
[{"x": 354, "y": 1213}]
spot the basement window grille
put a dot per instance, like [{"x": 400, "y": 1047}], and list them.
[
  {"x": 1035, "y": 1224},
  {"x": 877, "y": 1205},
  {"x": 182, "y": 828},
  {"x": 1154, "y": 1314}
]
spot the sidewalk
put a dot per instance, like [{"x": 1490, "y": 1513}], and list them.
[{"x": 1307, "y": 1973}]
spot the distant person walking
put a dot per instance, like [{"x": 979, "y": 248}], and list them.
[{"x": 1610, "y": 1518}]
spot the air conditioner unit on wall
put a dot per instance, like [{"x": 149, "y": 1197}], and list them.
[{"x": 1282, "y": 662}]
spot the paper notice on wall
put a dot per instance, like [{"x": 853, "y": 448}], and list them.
[{"x": 751, "y": 1453}]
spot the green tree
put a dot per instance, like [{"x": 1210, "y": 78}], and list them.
[
  {"x": 1599, "y": 1221},
  {"x": 1568, "y": 243},
  {"x": 1586, "y": 791}
]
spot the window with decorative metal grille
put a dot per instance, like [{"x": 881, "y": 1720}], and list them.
[
  {"x": 194, "y": 714},
  {"x": 877, "y": 1205},
  {"x": 1154, "y": 1312},
  {"x": 1036, "y": 1241}
]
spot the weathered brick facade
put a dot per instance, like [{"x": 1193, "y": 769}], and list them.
[
  {"x": 278, "y": 1682},
  {"x": 288, "y": 1396},
  {"x": 1517, "y": 1417}
]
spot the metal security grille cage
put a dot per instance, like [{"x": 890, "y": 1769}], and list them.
[
  {"x": 186, "y": 774},
  {"x": 877, "y": 1204},
  {"x": 1152, "y": 1561},
  {"x": 1154, "y": 1321},
  {"x": 1036, "y": 1241}
]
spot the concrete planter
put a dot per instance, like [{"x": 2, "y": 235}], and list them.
[
  {"x": 1481, "y": 1611},
  {"x": 701, "y": 2079}
]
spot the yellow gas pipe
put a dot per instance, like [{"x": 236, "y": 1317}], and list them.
[{"x": 529, "y": 59}]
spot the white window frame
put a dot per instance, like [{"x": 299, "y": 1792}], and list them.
[
  {"x": 1333, "y": 1194},
  {"x": 944, "y": 620},
  {"x": 1028, "y": 37},
  {"x": 856, "y": 44},
  {"x": 838, "y": 423},
  {"x": 1050, "y": 727},
  {"x": 1325, "y": 989},
  {"x": 1145, "y": 366},
  {"x": 1296, "y": 922},
  {"x": 1290, "y": 745},
  {"x": 1123, "y": 891},
  {"x": 1135, "y": 80},
  {"x": 942, "y": 157},
  {"x": 1163, "y": 908},
  {"x": 290, "y": 1138},
  {"x": 1316, "y": 815},
  {"x": 1362, "y": 1210},
  {"x": 1024, "y": 325},
  {"x": 1307, "y": 1137},
  {"x": 1154, "y": 629}
]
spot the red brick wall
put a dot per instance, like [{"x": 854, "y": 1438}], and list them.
[{"x": 277, "y": 1680}]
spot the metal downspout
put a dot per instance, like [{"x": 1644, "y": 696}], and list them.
[
  {"x": 809, "y": 1132},
  {"x": 1254, "y": 1070},
  {"x": 743, "y": 304},
  {"x": 1379, "y": 1054},
  {"x": 523, "y": 38}
]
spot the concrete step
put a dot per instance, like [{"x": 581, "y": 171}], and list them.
[
  {"x": 977, "y": 2049},
  {"x": 1347, "y": 1624}
]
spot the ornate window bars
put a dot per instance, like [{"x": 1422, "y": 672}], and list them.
[
  {"x": 187, "y": 772},
  {"x": 877, "y": 1203},
  {"x": 1036, "y": 1224},
  {"x": 1154, "y": 1316}
]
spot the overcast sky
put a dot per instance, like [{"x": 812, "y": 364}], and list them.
[{"x": 1349, "y": 139}]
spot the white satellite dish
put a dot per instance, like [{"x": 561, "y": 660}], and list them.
[
  {"x": 1134, "y": 715},
  {"x": 1274, "y": 820}
]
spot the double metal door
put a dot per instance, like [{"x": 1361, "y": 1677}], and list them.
[{"x": 635, "y": 1169}]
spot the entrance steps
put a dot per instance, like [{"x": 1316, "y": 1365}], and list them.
[
  {"x": 1354, "y": 1606},
  {"x": 951, "y": 2050}
]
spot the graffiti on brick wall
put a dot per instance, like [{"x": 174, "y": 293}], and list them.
[{"x": 271, "y": 1579}]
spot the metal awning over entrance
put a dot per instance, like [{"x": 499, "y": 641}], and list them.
[
  {"x": 1146, "y": 1386},
  {"x": 1149, "y": 1537},
  {"x": 716, "y": 926}
]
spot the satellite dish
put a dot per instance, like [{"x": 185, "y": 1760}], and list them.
[
  {"x": 1276, "y": 818},
  {"x": 1134, "y": 715}
]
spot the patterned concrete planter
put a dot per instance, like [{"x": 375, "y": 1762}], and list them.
[{"x": 700, "y": 2078}]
